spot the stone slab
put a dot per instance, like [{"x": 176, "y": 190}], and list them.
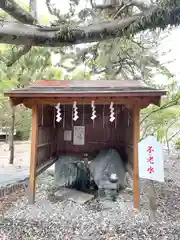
[
  {"x": 73, "y": 195},
  {"x": 62, "y": 194}
]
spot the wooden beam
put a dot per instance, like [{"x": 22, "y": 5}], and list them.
[
  {"x": 98, "y": 100},
  {"x": 45, "y": 165},
  {"x": 16, "y": 101},
  {"x": 33, "y": 163},
  {"x": 142, "y": 101},
  {"x": 136, "y": 137}
]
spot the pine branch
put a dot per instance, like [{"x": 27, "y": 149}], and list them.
[
  {"x": 103, "y": 6},
  {"x": 66, "y": 35},
  {"x": 15, "y": 57},
  {"x": 52, "y": 9},
  {"x": 164, "y": 106},
  {"x": 25, "y": 49},
  {"x": 175, "y": 134},
  {"x": 139, "y": 4}
]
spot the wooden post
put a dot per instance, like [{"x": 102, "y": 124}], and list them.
[
  {"x": 136, "y": 137},
  {"x": 33, "y": 160}
]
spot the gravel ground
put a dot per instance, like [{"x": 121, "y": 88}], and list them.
[{"x": 99, "y": 219}]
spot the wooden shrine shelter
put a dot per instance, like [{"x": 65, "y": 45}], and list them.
[{"x": 50, "y": 138}]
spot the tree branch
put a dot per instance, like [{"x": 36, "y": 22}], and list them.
[
  {"x": 17, "y": 12},
  {"x": 121, "y": 6},
  {"x": 167, "y": 105},
  {"x": 120, "y": 10},
  {"x": 25, "y": 49},
  {"x": 139, "y": 4},
  {"x": 52, "y": 9},
  {"x": 103, "y": 6},
  {"x": 33, "y": 8},
  {"x": 146, "y": 129},
  {"x": 15, "y": 57},
  {"x": 173, "y": 135},
  {"x": 14, "y": 33}
]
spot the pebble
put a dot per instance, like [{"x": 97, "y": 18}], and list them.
[{"x": 97, "y": 220}]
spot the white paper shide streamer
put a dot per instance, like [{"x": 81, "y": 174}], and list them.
[
  {"x": 75, "y": 115},
  {"x": 58, "y": 113},
  {"x": 93, "y": 110},
  {"x": 112, "y": 118}
]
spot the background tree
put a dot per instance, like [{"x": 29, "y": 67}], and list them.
[
  {"x": 36, "y": 64},
  {"x": 164, "y": 121}
]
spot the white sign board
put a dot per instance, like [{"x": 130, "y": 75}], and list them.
[
  {"x": 151, "y": 163},
  {"x": 67, "y": 135},
  {"x": 79, "y": 135}
]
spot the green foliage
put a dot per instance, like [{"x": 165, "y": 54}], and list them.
[
  {"x": 177, "y": 145},
  {"x": 24, "y": 4},
  {"x": 163, "y": 121},
  {"x": 123, "y": 58},
  {"x": 31, "y": 67},
  {"x": 116, "y": 59},
  {"x": 53, "y": 73},
  {"x": 81, "y": 75},
  {"x": 119, "y": 58}
]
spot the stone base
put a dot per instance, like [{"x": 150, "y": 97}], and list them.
[{"x": 73, "y": 195}]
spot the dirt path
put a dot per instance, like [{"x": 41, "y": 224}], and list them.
[
  {"x": 21, "y": 155},
  {"x": 10, "y": 174}
]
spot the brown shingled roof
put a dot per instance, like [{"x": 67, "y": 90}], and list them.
[{"x": 85, "y": 87}]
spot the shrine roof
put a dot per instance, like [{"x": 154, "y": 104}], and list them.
[{"x": 50, "y": 88}]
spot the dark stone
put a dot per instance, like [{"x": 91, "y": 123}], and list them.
[
  {"x": 105, "y": 172},
  {"x": 107, "y": 163}
]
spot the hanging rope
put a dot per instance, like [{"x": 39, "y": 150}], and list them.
[
  {"x": 58, "y": 113},
  {"x": 112, "y": 118},
  {"x": 72, "y": 118},
  {"x": 83, "y": 114},
  {"x": 75, "y": 113},
  {"x": 116, "y": 109},
  {"x": 103, "y": 116},
  {"x": 93, "y": 111},
  {"x": 54, "y": 120},
  {"x": 64, "y": 117},
  {"x": 42, "y": 115}
]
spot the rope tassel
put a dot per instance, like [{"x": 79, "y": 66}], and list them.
[
  {"x": 75, "y": 117},
  {"x": 112, "y": 118},
  {"x": 93, "y": 110},
  {"x": 58, "y": 113}
]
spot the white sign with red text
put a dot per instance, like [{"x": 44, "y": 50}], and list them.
[{"x": 151, "y": 162}]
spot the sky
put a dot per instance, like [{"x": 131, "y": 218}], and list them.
[
  {"x": 170, "y": 46},
  {"x": 169, "y": 51}
]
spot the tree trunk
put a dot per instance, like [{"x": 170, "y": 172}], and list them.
[{"x": 11, "y": 136}]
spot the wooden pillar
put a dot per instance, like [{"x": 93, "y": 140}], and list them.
[
  {"x": 136, "y": 137},
  {"x": 33, "y": 159}
]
